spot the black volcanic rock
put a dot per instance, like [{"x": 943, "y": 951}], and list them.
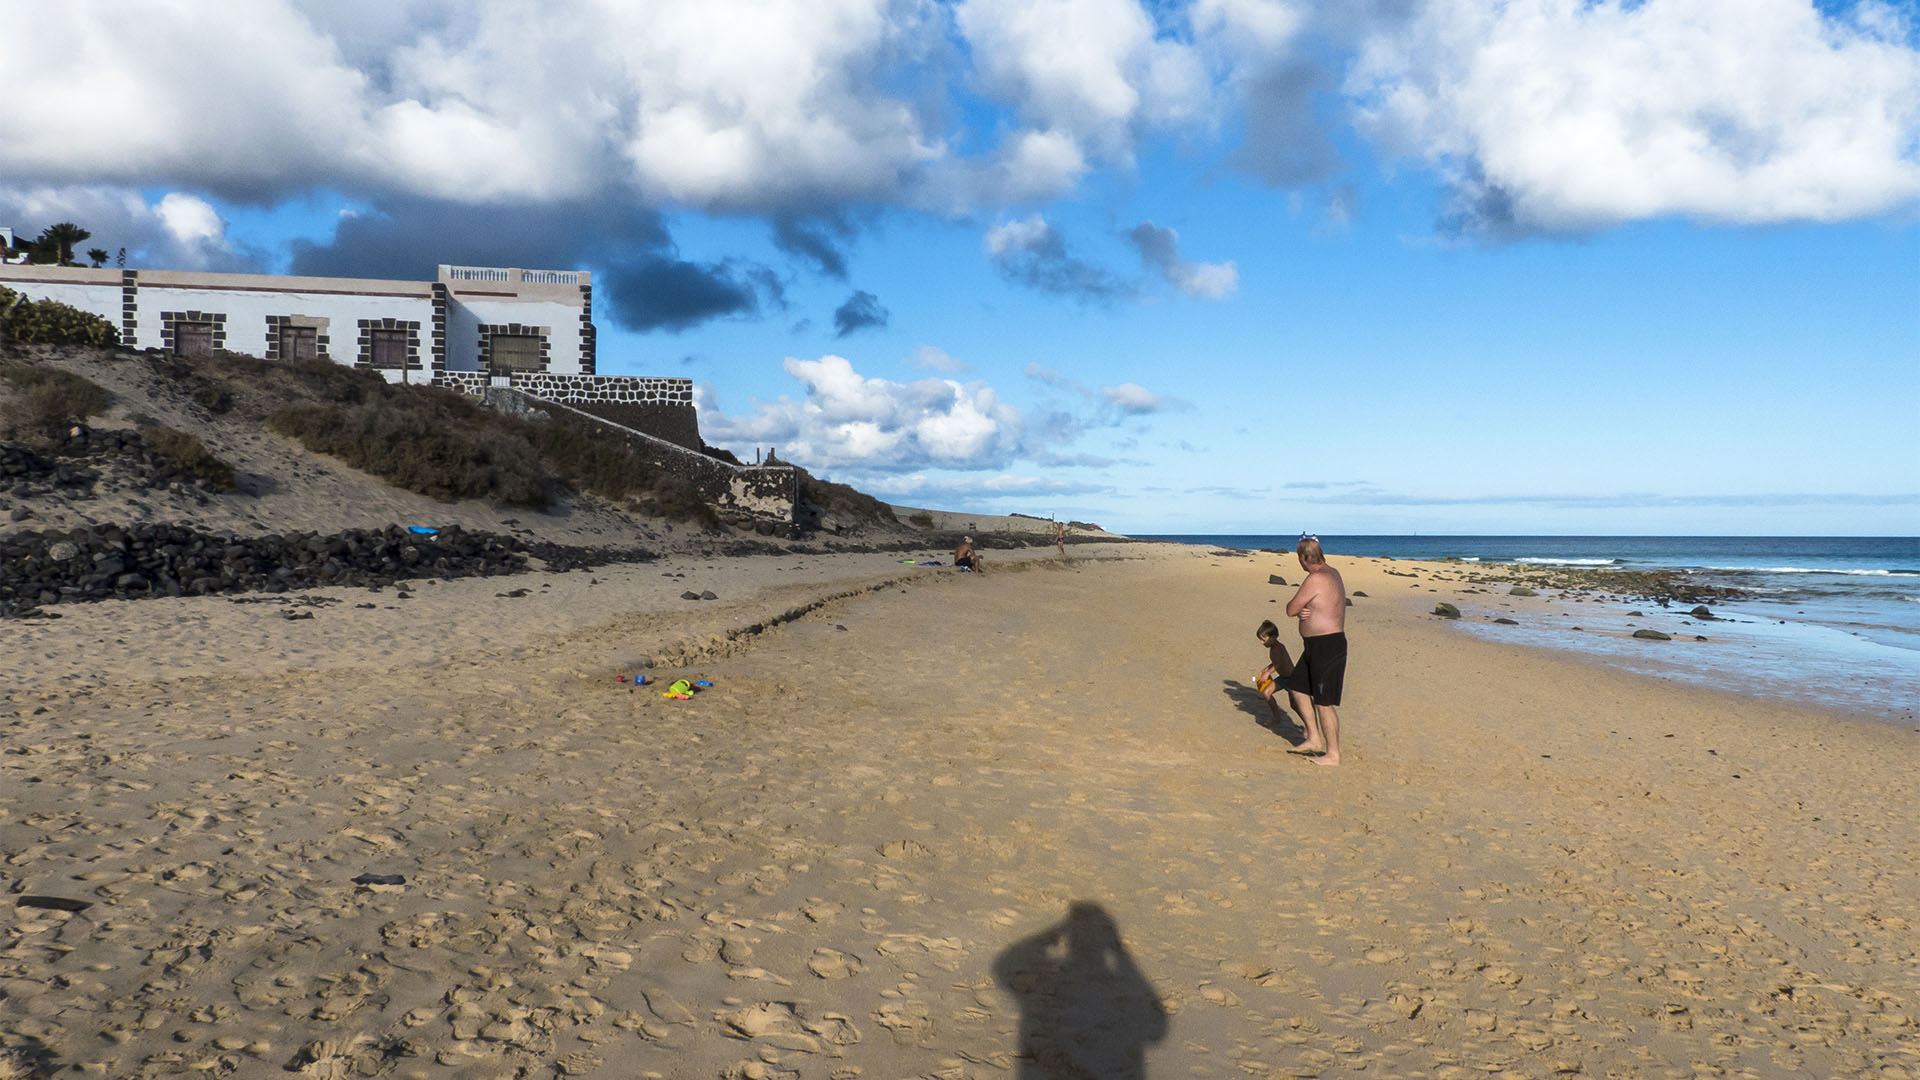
[{"x": 127, "y": 562}]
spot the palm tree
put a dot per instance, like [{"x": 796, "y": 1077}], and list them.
[
  {"x": 61, "y": 238},
  {"x": 98, "y": 256}
]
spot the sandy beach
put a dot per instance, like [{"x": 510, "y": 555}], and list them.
[{"x": 924, "y": 824}]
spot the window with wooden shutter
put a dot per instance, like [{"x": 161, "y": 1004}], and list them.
[
  {"x": 301, "y": 343},
  {"x": 389, "y": 348},
  {"x": 514, "y": 352},
  {"x": 193, "y": 339}
]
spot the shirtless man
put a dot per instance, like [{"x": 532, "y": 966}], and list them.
[
  {"x": 1314, "y": 686},
  {"x": 965, "y": 557}
]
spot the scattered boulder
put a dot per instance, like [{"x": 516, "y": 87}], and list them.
[
  {"x": 1652, "y": 635},
  {"x": 689, "y": 595},
  {"x": 1276, "y": 579},
  {"x": 1358, "y": 592},
  {"x": 707, "y": 594},
  {"x": 1446, "y": 610},
  {"x": 1521, "y": 590},
  {"x": 1703, "y": 613},
  {"x": 1506, "y": 622}
]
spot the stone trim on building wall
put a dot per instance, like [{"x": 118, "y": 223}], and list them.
[
  {"x": 487, "y": 330},
  {"x": 322, "y": 342},
  {"x": 129, "y": 307},
  {"x": 411, "y": 326},
  {"x": 171, "y": 319},
  {"x": 588, "y": 355},
  {"x": 442, "y": 302}
]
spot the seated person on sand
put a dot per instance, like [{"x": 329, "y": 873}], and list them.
[
  {"x": 965, "y": 557},
  {"x": 1272, "y": 679}
]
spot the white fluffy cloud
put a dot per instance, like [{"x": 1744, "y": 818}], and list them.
[
  {"x": 1566, "y": 114},
  {"x": 846, "y": 419},
  {"x": 178, "y": 230},
  {"x": 1096, "y": 70},
  {"x": 1541, "y": 114},
  {"x": 725, "y": 105}
]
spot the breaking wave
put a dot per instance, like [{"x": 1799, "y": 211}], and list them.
[{"x": 1566, "y": 562}]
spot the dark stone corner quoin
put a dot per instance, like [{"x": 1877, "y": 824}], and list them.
[{"x": 113, "y": 562}]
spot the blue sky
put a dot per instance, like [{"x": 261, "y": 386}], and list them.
[{"x": 1227, "y": 266}]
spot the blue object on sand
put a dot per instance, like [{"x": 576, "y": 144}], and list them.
[
  {"x": 421, "y": 530},
  {"x": 701, "y": 682},
  {"x": 640, "y": 680}
]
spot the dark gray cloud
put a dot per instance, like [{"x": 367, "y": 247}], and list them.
[
  {"x": 643, "y": 284},
  {"x": 1034, "y": 253},
  {"x": 1479, "y": 209},
  {"x": 660, "y": 293},
  {"x": 1159, "y": 249},
  {"x": 1284, "y": 143},
  {"x": 408, "y": 238},
  {"x": 818, "y": 240},
  {"x": 861, "y": 311}
]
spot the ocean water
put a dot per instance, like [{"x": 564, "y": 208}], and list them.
[{"x": 1829, "y": 619}]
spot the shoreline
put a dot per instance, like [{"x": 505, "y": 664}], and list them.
[
  {"x": 831, "y": 859},
  {"x": 1748, "y": 653}
]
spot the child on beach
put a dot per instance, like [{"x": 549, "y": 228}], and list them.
[{"x": 1272, "y": 679}]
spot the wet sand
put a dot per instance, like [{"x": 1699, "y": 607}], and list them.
[{"x": 1025, "y": 824}]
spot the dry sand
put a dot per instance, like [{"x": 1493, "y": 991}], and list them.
[{"x": 919, "y": 830}]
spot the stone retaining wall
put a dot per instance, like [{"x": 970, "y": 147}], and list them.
[
  {"x": 579, "y": 389},
  {"x": 748, "y": 495}
]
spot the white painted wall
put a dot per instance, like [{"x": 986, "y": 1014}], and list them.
[
  {"x": 101, "y": 300},
  {"x": 247, "y": 300},
  {"x": 463, "y": 338},
  {"x": 468, "y": 315},
  {"x": 247, "y": 313}
]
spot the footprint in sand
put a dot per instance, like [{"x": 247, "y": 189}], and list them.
[{"x": 834, "y": 964}]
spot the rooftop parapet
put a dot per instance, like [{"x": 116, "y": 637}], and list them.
[{"x": 516, "y": 280}]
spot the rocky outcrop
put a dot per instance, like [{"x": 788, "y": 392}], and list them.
[{"x": 113, "y": 562}]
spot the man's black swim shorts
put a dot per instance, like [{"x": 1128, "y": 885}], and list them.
[{"x": 1322, "y": 670}]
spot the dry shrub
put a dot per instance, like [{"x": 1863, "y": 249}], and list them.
[
  {"x": 186, "y": 452},
  {"x": 843, "y": 502},
  {"x": 49, "y": 322},
  {"x": 415, "y": 441},
  {"x": 600, "y": 461},
  {"x": 49, "y": 399}
]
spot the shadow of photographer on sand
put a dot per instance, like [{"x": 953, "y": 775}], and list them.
[{"x": 1086, "y": 1012}]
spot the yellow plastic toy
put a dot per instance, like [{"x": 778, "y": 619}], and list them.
[{"x": 681, "y": 689}]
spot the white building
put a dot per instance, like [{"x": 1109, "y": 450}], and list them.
[{"x": 490, "y": 321}]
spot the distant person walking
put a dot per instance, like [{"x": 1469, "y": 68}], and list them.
[
  {"x": 1314, "y": 687},
  {"x": 1060, "y": 537}
]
